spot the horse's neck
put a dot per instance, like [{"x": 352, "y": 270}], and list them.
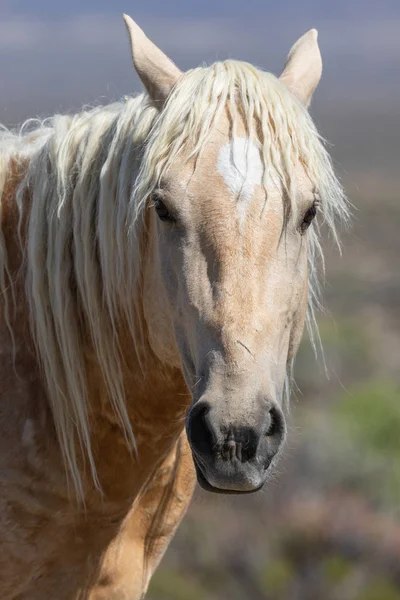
[
  {"x": 156, "y": 395},
  {"x": 157, "y": 400}
]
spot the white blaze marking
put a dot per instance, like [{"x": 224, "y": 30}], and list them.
[{"x": 239, "y": 163}]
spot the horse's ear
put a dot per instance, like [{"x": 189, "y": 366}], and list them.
[
  {"x": 157, "y": 72},
  {"x": 303, "y": 68}
]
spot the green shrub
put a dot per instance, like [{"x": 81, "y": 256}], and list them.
[
  {"x": 336, "y": 568},
  {"x": 172, "y": 585},
  {"x": 380, "y": 589},
  {"x": 276, "y": 576},
  {"x": 372, "y": 413}
]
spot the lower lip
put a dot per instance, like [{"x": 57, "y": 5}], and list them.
[{"x": 210, "y": 488}]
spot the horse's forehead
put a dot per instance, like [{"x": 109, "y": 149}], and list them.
[
  {"x": 240, "y": 166},
  {"x": 229, "y": 168},
  {"x": 230, "y": 162}
]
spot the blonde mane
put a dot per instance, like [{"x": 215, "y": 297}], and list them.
[{"x": 89, "y": 178}]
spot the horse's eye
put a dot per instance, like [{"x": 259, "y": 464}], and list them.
[
  {"x": 161, "y": 209},
  {"x": 308, "y": 218}
]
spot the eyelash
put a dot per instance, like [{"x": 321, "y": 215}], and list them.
[
  {"x": 309, "y": 217},
  {"x": 161, "y": 209}
]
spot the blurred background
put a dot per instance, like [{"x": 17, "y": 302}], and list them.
[{"x": 327, "y": 526}]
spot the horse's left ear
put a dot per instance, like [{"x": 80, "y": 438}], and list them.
[
  {"x": 303, "y": 68},
  {"x": 157, "y": 72}
]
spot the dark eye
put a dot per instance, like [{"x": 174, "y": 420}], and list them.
[
  {"x": 308, "y": 218},
  {"x": 161, "y": 209}
]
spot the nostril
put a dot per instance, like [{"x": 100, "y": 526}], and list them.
[
  {"x": 200, "y": 410},
  {"x": 198, "y": 428},
  {"x": 274, "y": 435},
  {"x": 272, "y": 425},
  {"x": 276, "y": 423}
]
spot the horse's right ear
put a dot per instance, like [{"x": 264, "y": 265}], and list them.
[
  {"x": 303, "y": 67},
  {"x": 157, "y": 72}
]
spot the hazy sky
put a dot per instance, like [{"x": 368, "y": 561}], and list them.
[
  {"x": 195, "y": 8},
  {"x": 56, "y": 56}
]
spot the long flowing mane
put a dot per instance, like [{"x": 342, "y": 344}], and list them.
[{"x": 89, "y": 177}]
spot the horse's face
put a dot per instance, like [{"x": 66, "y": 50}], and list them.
[
  {"x": 230, "y": 272},
  {"x": 235, "y": 277}
]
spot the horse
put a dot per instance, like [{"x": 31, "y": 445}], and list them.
[{"x": 159, "y": 260}]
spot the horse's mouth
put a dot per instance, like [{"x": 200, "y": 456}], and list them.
[{"x": 204, "y": 483}]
